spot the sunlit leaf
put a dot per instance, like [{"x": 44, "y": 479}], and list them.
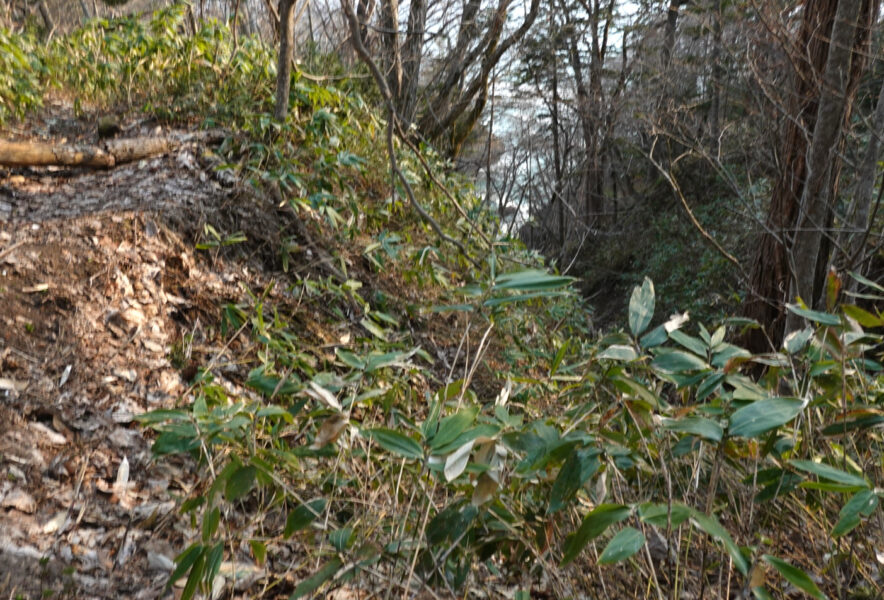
[
  {"x": 828, "y": 472},
  {"x": 678, "y": 361},
  {"x": 618, "y": 352},
  {"x": 764, "y": 415},
  {"x": 641, "y": 307},
  {"x": 627, "y": 542},
  {"x": 699, "y": 426},
  {"x": 816, "y": 316}
]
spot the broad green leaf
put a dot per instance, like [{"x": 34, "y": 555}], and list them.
[
  {"x": 184, "y": 561},
  {"x": 860, "y": 423},
  {"x": 578, "y": 468},
  {"x": 161, "y": 416},
  {"x": 441, "y": 308},
  {"x": 795, "y": 576},
  {"x": 618, "y": 352},
  {"x": 659, "y": 514},
  {"x": 271, "y": 385},
  {"x": 863, "y": 503},
  {"x": 724, "y": 352},
  {"x": 395, "y": 442},
  {"x": 627, "y": 542},
  {"x": 350, "y": 359},
  {"x": 796, "y": 340},
  {"x": 559, "y": 357},
  {"x": 764, "y": 415},
  {"x": 210, "y": 524},
  {"x": 312, "y": 583},
  {"x": 631, "y": 386},
  {"x": 709, "y": 385},
  {"x": 761, "y": 593},
  {"x": 823, "y": 318},
  {"x": 473, "y": 433},
  {"x": 745, "y": 388},
  {"x": 712, "y": 527},
  {"x": 501, "y": 300},
  {"x": 179, "y": 438},
  {"x": 868, "y": 282},
  {"x": 531, "y": 279},
  {"x": 678, "y": 361},
  {"x": 450, "y": 523},
  {"x": 594, "y": 524},
  {"x": 693, "y": 344},
  {"x": 374, "y": 361},
  {"x": 699, "y": 426},
  {"x": 302, "y": 516},
  {"x": 213, "y": 561},
  {"x": 862, "y": 316},
  {"x": 197, "y": 571},
  {"x": 373, "y": 328},
  {"x": 827, "y": 472},
  {"x": 341, "y": 538},
  {"x": 456, "y": 462},
  {"x": 641, "y": 307},
  {"x": 240, "y": 483},
  {"x": 259, "y": 551},
  {"x": 654, "y": 337},
  {"x": 452, "y": 426}
]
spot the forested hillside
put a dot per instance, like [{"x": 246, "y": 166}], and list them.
[{"x": 361, "y": 299}]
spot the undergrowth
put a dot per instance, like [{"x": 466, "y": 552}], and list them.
[{"x": 423, "y": 421}]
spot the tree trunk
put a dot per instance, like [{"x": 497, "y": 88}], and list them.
[
  {"x": 669, "y": 37},
  {"x": 773, "y": 270},
  {"x": 860, "y": 212},
  {"x": 284, "y": 64},
  {"x": 412, "y": 56},
  {"x": 822, "y": 173},
  {"x": 717, "y": 75},
  {"x": 47, "y": 18},
  {"x": 390, "y": 41}
]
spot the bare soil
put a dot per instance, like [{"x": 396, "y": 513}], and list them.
[{"x": 105, "y": 309}]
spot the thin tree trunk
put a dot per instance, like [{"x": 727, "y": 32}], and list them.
[
  {"x": 771, "y": 272},
  {"x": 47, "y": 18},
  {"x": 284, "y": 64},
  {"x": 824, "y": 162},
  {"x": 412, "y": 56},
  {"x": 390, "y": 37},
  {"x": 858, "y": 217},
  {"x": 717, "y": 75}
]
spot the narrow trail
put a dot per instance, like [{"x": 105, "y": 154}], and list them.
[{"x": 104, "y": 307}]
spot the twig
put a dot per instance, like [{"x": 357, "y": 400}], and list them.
[
  {"x": 392, "y": 123},
  {"x": 6, "y": 251},
  {"x": 677, "y": 190}
]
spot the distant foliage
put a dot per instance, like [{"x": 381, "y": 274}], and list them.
[{"x": 21, "y": 70}]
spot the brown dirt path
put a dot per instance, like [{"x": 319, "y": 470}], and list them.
[{"x": 102, "y": 302}]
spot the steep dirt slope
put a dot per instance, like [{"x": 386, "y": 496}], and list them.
[{"x": 104, "y": 307}]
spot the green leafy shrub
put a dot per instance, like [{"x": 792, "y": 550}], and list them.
[{"x": 21, "y": 70}]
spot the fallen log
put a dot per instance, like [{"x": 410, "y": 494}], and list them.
[
  {"x": 41, "y": 154},
  {"x": 112, "y": 152}
]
